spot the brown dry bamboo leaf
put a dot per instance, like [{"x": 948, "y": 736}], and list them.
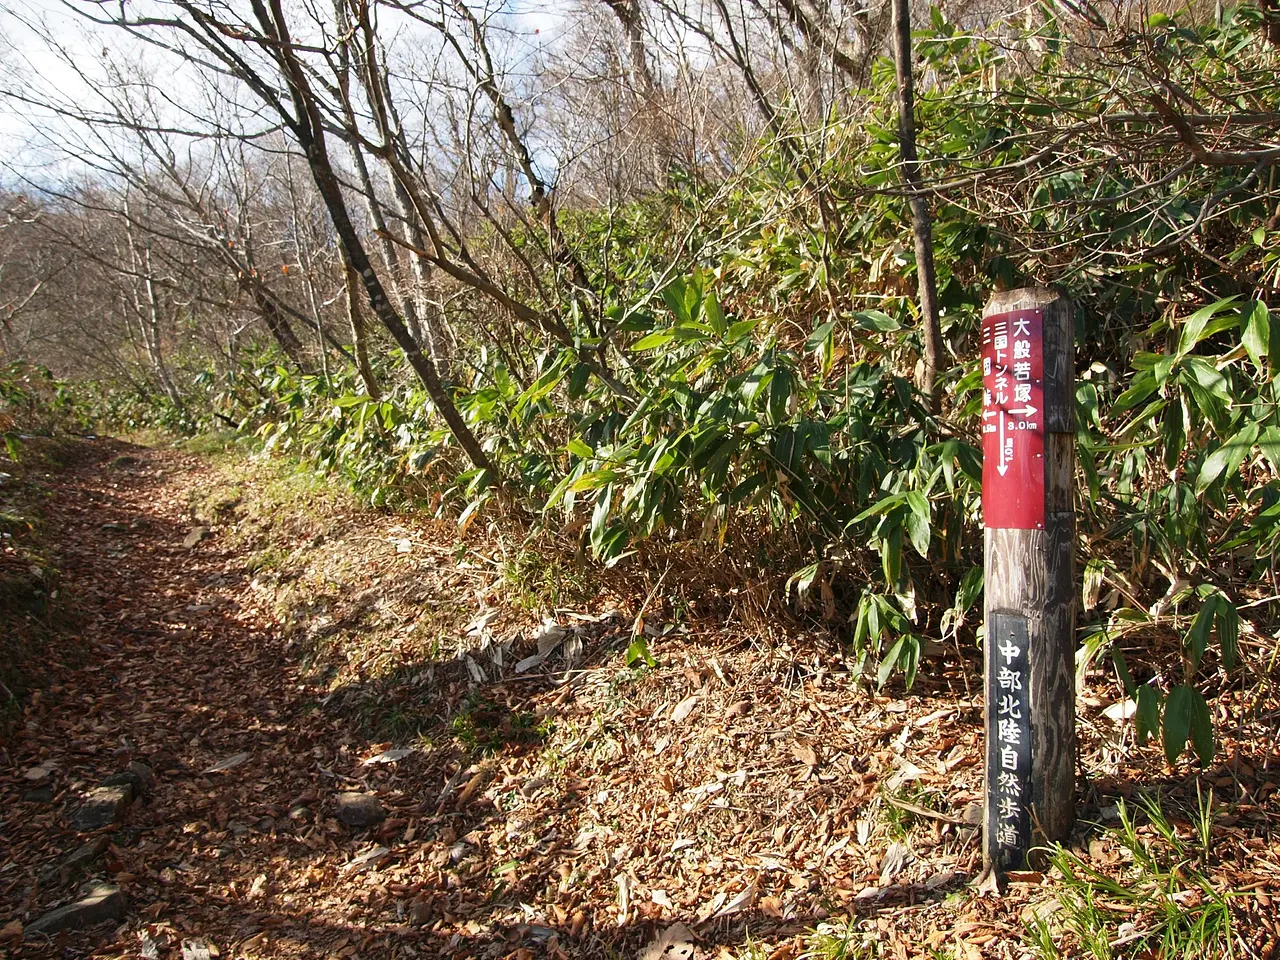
[
  {"x": 920, "y": 811},
  {"x": 478, "y": 780}
]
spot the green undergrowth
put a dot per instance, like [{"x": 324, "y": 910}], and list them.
[
  {"x": 483, "y": 727},
  {"x": 539, "y": 580},
  {"x": 264, "y": 503},
  {"x": 840, "y": 940},
  {"x": 900, "y": 821},
  {"x": 212, "y": 443},
  {"x": 1158, "y": 898}
]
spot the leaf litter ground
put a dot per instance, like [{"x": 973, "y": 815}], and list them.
[{"x": 367, "y": 739}]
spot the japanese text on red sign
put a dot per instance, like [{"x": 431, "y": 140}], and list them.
[{"x": 1013, "y": 420}]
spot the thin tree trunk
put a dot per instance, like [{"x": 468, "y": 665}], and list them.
[
  {"x": 469, "y": 272},
  {"x": 412, "y": 300},
  {"x": 276, "y": 323},
  {"x": 645, "y": 86},
  {"x": 308, "y": 128},
  {"x": 628, "y": 15},
  {"x": 149, "y": 320},
  {"x": 389, "y": 254},
  {"x": 359, "y": 342},
  {"x": 152, "y": 335},
  {"x": 358, "y": 260},
  {"x": 921, "y": 222},
  {"x": 305, "y": 262},
  {"x": 439, "y": 341}
]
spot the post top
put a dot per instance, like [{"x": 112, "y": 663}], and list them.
[{"x": 1021, "y": 298}]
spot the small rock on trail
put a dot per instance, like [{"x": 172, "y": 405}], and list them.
[
  {"x": 103, "y": 902},
  {"x": 137, "y": 776},
  {"x": 102, "y": 806},
  {"x": 86, "y": 853},
  {"x": 360, "y": 809},
  {"x": 77, "y": 861}
]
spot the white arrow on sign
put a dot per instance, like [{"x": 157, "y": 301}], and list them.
[
  {"x": 1003, "y": 468},
  {"x": 1026, "y": 411}
]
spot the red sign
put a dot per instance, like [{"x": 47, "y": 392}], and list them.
[{"x": 1013, "y": 420}]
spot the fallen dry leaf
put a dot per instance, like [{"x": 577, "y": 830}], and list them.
[
  {"x": 743, "y": 901},
  {"x": 684, "y": 708},
  {"x": 229, "y": 763},
  {"x": 11, "y": 932},
  {"x": 389, "y": 756},
  {"x": 805, "y": 754},
  {"x": 674, "y": 943}
]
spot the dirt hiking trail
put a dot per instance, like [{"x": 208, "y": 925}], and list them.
[{"x": 184, "y": 697}]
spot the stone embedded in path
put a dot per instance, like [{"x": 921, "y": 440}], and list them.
[
  {"x": 104, "y": 902},
  {"x": 39, "y": 795},
  {"x": 81, "y": 858},
  {"x": 360, "y": 809},
  {"x": 86, "y": 853},
  {"x": 102, "y": 806},
  {"x": 195, "y": 536},
  {"x": 40, "y": 772},
  {"x": 137, "y": 775}
]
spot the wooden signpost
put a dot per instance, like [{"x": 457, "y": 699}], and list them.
[{"x": 1028, "y": 445}]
